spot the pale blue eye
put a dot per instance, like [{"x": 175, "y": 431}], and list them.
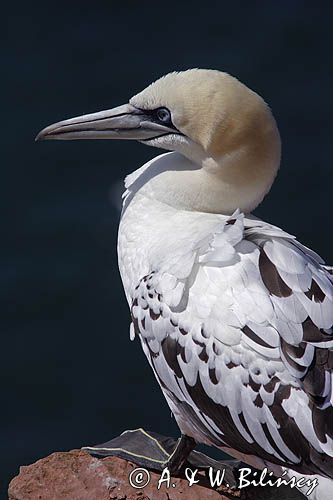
[{"x": 163, "y": 115}]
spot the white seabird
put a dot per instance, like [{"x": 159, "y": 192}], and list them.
[{"x": 234, "y": 314}]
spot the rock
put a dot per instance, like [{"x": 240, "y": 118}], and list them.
[{"x": 75, "y": 475}]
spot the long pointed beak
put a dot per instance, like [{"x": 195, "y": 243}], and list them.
[{"x": 123, "y": 122}]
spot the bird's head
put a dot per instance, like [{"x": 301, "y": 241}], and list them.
[{"x": 206, "y": 115}]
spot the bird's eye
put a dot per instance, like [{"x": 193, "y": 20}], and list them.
[{"x": 163, "y": 115}]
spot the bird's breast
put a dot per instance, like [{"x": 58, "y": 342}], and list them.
[{"x": 154, "y": 236}]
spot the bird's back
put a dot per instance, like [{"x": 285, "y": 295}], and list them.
[{"x": 235, "y": 318}]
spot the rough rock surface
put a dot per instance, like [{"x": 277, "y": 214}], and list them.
[{"x": 75, "y": 475}]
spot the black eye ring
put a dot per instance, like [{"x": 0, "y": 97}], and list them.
[{"x": 163, "y": 115}]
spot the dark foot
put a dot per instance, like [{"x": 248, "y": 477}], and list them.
[{"x": 179, "y": 455}]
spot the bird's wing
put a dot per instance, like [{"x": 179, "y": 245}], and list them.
[
  {"x": 300, "y": 289},
  {"x": 238, "y": 330}
]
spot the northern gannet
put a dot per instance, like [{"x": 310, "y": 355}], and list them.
[{"x": 234, "y": 314}]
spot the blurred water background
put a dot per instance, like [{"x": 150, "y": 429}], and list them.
[{"x": 69, "y": 374}]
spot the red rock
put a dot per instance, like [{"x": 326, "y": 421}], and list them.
[{"x": 75, "y": 475}]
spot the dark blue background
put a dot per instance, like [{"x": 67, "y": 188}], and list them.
[{"x": 69, "y": 374}]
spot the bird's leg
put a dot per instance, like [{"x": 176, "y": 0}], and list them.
[{"x": 179, "y": 455}]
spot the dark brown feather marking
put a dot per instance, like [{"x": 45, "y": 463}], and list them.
[
  {"x": 296, "y": 351},
  {"x": 204, "y": 333},
  {"x": 278, "y": 412},
  {"x": 254, "y": 385},
  {"x": 212, "y": 376},
  {"x": 323, "y": 423},
  {"x": 315, "y": 292},
  {"x": 311, "y": 333},
  {"x": 197, "y": 342},
  {"x": 154, "y": 316},
  {"x": 181, "y": 351},
  {"x": 253, "y": 336},
  {"x": 286, "y": 348},
  {"x": 258, "y": 401},
  {"x": 314, "y": 379},
  {"x": 217, "y": 350},
  {"x": 272, "y": 442},
  {"x": 151, "y": 352},
  {"x": 244, "y": 424},
  {"x": 192, "y": 417},
  {"x": 203, "y": 355},
  {"x": 271, "y": 278},
  {"x": 323, "y": 462},
  {"x": 170, "y": 347},
  {"x": 324, "y": 358},
  {"x": 288, "y": 430},
  {"x": 270, "y": 386}
]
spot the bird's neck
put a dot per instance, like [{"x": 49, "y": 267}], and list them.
[{"x": 206, "y": 185}]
